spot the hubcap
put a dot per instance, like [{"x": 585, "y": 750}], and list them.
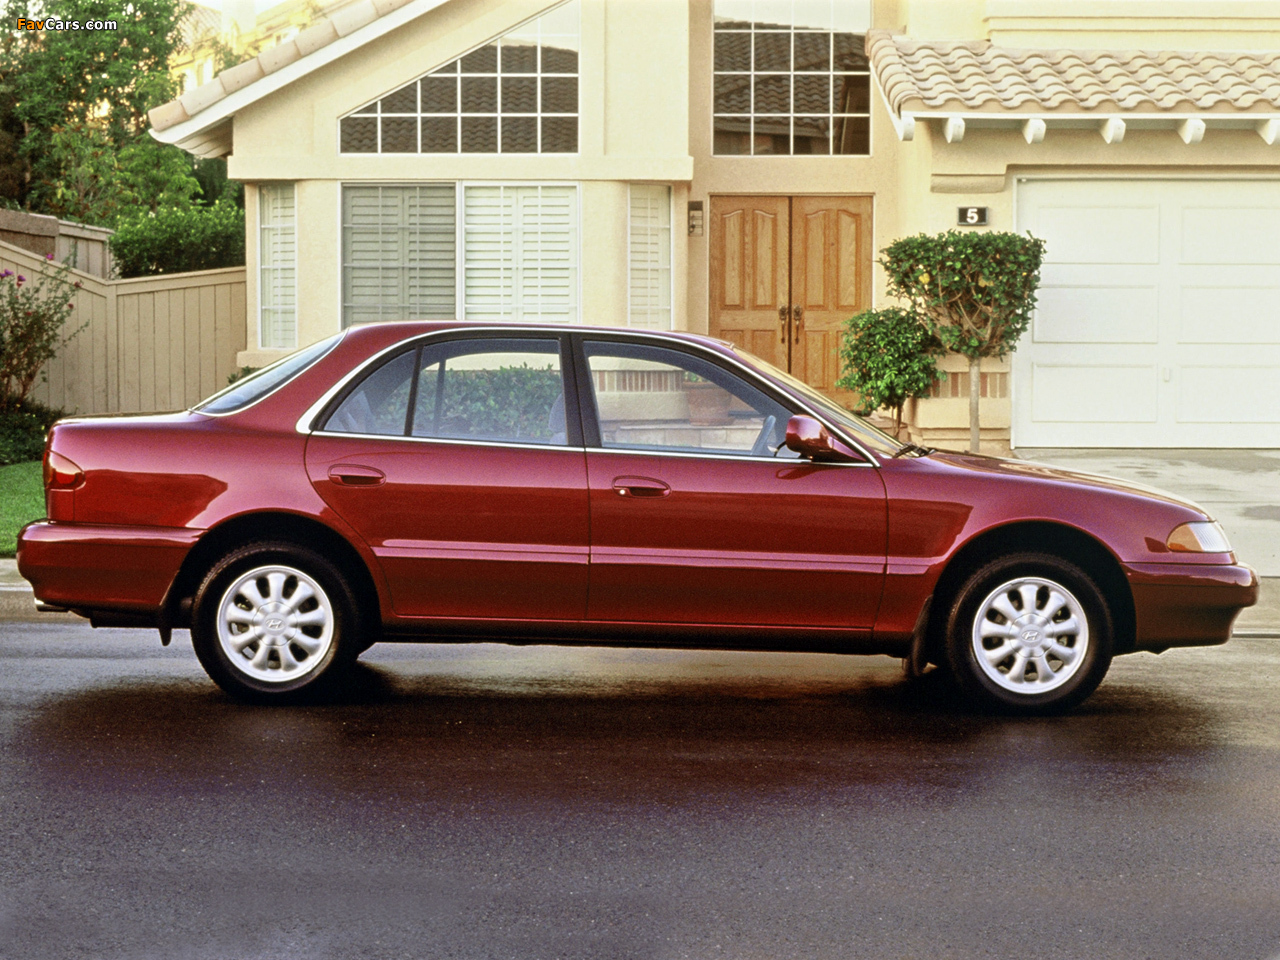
[
  {"x": 275, "y": 624},
  {"x": 1030, "y": 635}
]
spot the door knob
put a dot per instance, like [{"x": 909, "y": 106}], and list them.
[
  {"x": 797, "y": 312},
  {"x": 783, "y": 313}
]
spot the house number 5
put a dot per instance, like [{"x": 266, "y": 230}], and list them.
[{"x": 972, "y": 216}]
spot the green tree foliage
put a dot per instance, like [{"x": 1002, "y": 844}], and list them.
[
  {"x": 83, "y": 173},
  {"x": 177, "y": 239},
  {"x": 32, "y": 314},
  {"x": 889, "y": 357},
  {"x": 975, "y": 292},
  {"x": 115, "y": 76},
  {"x": 155, "y": 175}
]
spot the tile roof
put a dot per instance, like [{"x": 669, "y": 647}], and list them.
[
  {"x": 325, "y": 31},
  {"x": 975, "y": 75}
]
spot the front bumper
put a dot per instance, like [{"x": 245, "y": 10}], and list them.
[
  {"x": 89, "y": 567},
  {"x": 1188, "y": 605}
]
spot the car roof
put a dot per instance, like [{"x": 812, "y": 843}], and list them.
[{"x": 385, "y": 333}]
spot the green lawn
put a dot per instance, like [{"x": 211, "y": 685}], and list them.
[{"x": 21, "y": 501}]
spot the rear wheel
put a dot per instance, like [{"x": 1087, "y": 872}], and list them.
[
  {"x": 1029, "y": 633},
  {"x": 274, "y": 621}
]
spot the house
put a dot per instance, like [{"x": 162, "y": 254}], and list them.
[{"x": 733, "y": 167}]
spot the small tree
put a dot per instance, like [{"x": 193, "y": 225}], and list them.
[
  {"x": 889, "y": 357},
  {"x": 976, "y": 291},
  {"x": 31, "y": 320}
]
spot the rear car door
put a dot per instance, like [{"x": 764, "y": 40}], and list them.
[
  {"x": 699, "y": 515},
  {"x": 454, "y": 459}
]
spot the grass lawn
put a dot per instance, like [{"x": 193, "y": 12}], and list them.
[{"x": 21, "y": 501}]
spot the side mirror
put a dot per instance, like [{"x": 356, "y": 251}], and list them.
[{"x": 807, "y": 437}]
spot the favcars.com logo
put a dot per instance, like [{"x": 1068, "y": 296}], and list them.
[{"x": 51, "y": 23}]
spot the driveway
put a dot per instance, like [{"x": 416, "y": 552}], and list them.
[{"x": 1239, "y": 488}]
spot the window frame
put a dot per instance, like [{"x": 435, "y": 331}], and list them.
[
  {"x": 791, "y": 116},
  {"x": 328, "y": 405},
  {"x": 670, "y": 265},
  {"x": 262, "y": 267}
]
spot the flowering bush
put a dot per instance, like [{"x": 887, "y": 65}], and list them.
[{"x": 31, "y": 319}]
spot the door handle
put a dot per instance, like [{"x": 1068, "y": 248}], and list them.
[
  {"x": 640, "y": 487},
  {"x": 797, "y": 312},
  {"x": 783, "y": 313},
  {"x": 355, "y": 475}
]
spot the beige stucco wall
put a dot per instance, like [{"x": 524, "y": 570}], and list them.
[{"x": 633, "y": 126}]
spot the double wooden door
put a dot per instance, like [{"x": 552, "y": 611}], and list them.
[{"x": 786, "y": 273}]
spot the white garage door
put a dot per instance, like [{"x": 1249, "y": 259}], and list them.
[{"x": 1159, "y": 315}]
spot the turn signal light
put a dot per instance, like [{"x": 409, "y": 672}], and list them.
[
  {"x": 60, "y": 473},
  {"x": 1204, "y": 536}
]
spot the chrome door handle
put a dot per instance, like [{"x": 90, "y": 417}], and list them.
[
  {"x": 355, "y": 475},
  {"x": 640, "y": 487}
]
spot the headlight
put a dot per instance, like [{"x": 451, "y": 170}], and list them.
[{"x": 1203, "y": 536}]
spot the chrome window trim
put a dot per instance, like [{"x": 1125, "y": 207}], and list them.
[
  {"x": 716, "y": 455},
  {"x": 457, "y": 441},
  {"x": 313, "y": 411},
  {"x": 658, "y": 337}
]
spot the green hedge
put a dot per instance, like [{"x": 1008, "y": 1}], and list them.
[
  {"x": 23, "y": 425},
  {"x": 176, "y": 240}
]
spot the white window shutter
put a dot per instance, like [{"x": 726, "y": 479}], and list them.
[
  {"x": 278, "y": 266},
  {"x": 520, "y": 256},
  {"x": 649, "y": 257}
]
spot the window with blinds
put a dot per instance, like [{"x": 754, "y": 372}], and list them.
[
  {"x": 475, "y": 251},
  {"x": 278, "y": 266},
  {"x": 649, "y": 257},
  {"x": 520, "y": 253},
  {"x": 399, "y": 253}
]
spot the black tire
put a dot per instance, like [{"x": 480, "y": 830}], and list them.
[
  {"x": 288, "y": 648},
  {"x": 1058, "y": 649}
]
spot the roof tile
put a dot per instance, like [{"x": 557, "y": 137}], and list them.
[{"x": 973, "y": 74}]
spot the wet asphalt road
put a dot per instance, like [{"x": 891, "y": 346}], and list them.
[{"x": 489, "y": 801}]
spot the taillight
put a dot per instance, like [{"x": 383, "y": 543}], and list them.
[{"x": 60, "y": 473}]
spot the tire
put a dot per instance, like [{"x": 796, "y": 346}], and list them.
[
  {"x": 275, "y": 623},
  {"x": 1050, "y": 620}
]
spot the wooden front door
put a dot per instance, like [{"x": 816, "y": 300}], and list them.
[{"x": 786, "y": 273}]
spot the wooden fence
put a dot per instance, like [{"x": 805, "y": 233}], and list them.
[{"x": 147, "y": 344}]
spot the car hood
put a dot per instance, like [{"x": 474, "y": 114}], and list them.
[{"x": 1030, "y": 470}]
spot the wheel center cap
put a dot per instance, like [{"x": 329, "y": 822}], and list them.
[
  {"x": 275, "y": 622},
  {"x": 1030, "y": 638}
]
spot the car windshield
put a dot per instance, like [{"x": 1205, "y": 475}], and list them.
[
  {"x": 863, "y": 431},
  {"x": 258, "y": 384}
]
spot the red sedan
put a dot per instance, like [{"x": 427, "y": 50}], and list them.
[{"x": 534, "y": 484}]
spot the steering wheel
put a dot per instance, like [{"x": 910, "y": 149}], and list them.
[{"x": 761, "y": 447}]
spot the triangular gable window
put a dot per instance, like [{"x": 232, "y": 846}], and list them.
[{"x": 517, "y": 94}]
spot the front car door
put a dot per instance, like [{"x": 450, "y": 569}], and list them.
[
  {"x": 455, "y": 461},
  {"x": 699, "y": 515}
]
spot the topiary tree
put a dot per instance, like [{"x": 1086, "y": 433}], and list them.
[
  {"x": 889, "y": 357},
  {"x": 975, "y": 292}
]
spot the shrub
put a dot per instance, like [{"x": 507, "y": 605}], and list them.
[
  {"x": 176, "y": 240},
  {"x": 975, "y": 291},
  {"x": 31, "y": 320},
  {"x": 888, "y": 356},
  {"x": 240, "y": 374},
  {"x": 507, "y": 402},
  {"x": 23, "y": 425}
]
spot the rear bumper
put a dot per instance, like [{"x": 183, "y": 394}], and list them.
[
  {"x": 96, "y": 567},
  {"x": 1188, "y": 605}
]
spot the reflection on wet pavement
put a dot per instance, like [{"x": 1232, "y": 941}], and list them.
[{"x": 491, "y": 801}]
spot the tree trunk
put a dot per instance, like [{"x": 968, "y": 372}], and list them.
[{"x": 975, "y": 387}]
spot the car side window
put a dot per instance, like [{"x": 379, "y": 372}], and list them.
[
  {"x": 489, "y": 389},
  {"x": 379, "y": 405},
  {"x": 656, "y": 398}
]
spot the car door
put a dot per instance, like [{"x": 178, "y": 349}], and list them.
[
  {"x": 454, "y": 459},
  {"x": 699, "y": 515}
]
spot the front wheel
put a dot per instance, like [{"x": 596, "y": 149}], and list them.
[
  {"x": 1029, "y": 633},
  {"x": 273, "y": 621}
]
